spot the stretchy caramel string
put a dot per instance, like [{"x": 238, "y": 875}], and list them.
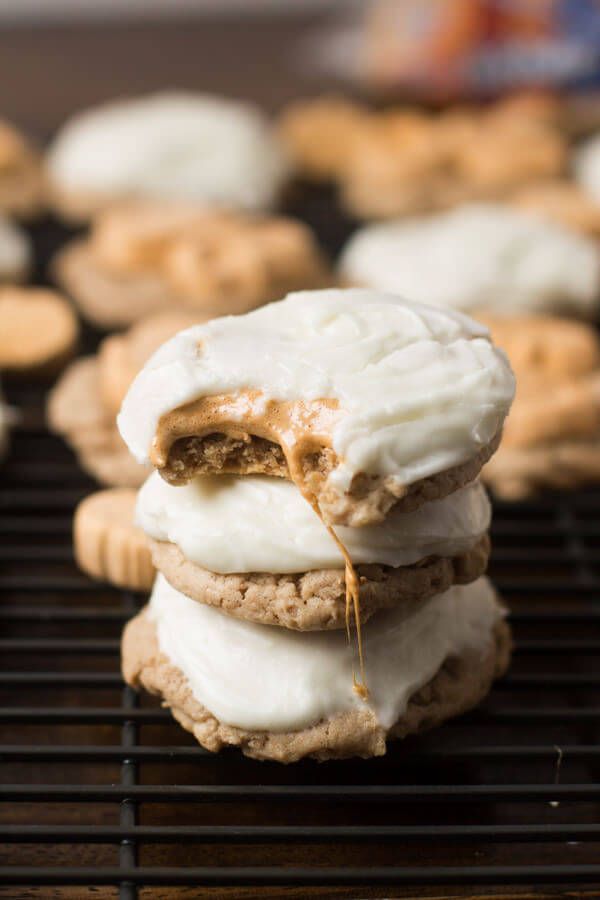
[{"x": 352, "y": 598}]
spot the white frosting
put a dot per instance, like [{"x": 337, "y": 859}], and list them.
[
  {"x": 421, "y": 389},
  {"x": 479, "y": 256},
  {"x": 15, "y": 251},
  {"x": 261, "y": 524},
  {"x": 172, "y": 145},
  {"x": 265, "y": 677},
  {"x": 586, "y": 167}
]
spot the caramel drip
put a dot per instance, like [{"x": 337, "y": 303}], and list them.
[
  {"x": 298, "y": 428},
  {"x": 352, "y": 597}
]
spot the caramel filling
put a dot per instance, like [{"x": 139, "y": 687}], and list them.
[{"x": 300, "y": 428}]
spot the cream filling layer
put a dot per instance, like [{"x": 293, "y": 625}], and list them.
[
  {"x": 258, "y": 524},
  {"x": 420, "y": 390},
  {"x": 263, "y": 677}
]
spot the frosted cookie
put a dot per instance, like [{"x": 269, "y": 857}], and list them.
[
  {"x": 552, "y": 435},
  {"x": 277, "y": 694},
  {"x": 561, "y": 201},
  {"x": 22, "y": 185},
  {"x": 364, "y": 400},
  {"x": 107, "y": 544},
  {"x": 479, "y": 257},
  {"x": 254, "y": 547},
  {"x": 38, "y": 329},
  {"x": 15, "y": 252},
  {"x": 170, "y": 146},
  {"x": 145, "y": 257}
]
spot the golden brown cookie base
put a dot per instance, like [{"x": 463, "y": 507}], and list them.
[
  {"x": 316, "y": 600},
  {"x": 518, "y": 473},
  {"x": 369, "y": 499},
  {"x": 75, "y": 411},
  {"x": 108, "y": 301},
  {"x": 38, "y": 330},
  {"x": 459, "y": 685},
  {"x": 108, "y": 545}
]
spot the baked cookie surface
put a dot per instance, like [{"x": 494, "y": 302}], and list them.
[
  {"x": 108, "y": 546},
  {"x": 22, "y": 181},
  {"x": 38, "y": 330}
]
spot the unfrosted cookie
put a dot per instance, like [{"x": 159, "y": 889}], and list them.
[
  {"x": 84, "y": 402},
  {"x": 22, "y": 186},
  {"x": 108, "y": 546},
  {"x": 255, "y": 548},
  {"x": 38, "y": 329},
  {"x": 318, "y": 134},
  {"x": 277, "y": 694},
  {"x": 364, "y": 400},
  {"x": 121, "y": 356},
  {"x": 552, "y": 435},
  {"x": 76, "y": 412},
  {"x": 15, "y": 252},
  {"x": 479, "y": 257},
  {"x": 144, "y": 257},
  {"x": 561, "y": 201},
  {"x": 173, "y": 146}
]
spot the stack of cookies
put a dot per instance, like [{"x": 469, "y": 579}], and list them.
[{"x": 316, "y": 523}]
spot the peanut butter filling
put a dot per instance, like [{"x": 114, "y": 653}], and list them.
[{"x": 300, "y": 429}]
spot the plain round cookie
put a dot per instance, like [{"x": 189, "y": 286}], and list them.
[
  {"x": 75, "y": 411},
  {"x": 106, "y": 300},
  {"x": 107, "y": 544},
  {"x": 38, "y": 329},
  {"x": 460, "y": 684},
  {"x": 517, "y": 473},
  {"x": 121, "y": 356},
  {"x": 316, "y": 600}
]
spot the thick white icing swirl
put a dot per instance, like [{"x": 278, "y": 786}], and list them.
[
  {"x": 420, "y": 389},
  {"x": 264, "y": 677},
  {"x": 488, "y": 256},
  {"x": 171, "y": 145},
  {"x": 260, "y": 524}
]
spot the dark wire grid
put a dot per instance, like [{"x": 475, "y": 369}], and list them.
[{"x": 101, "y": 788}]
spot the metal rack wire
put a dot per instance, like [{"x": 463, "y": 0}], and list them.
[{"x": 102, "y": 788}]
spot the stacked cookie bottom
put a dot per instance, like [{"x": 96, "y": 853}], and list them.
[{"x": 245, "y": 635}]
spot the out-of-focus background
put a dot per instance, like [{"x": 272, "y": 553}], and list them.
[{"x": 59, "y": 55}]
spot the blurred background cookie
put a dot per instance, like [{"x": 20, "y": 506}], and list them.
[
  {"x": 171, "y": 146},
  {"x": 552, "y": 435},
  {"x": 479, "y": 257},
  {"x": 38, "y": 330},
  {"x": 83, "y": 404},
  {"x": 15, "y": 252},
  {"x": 108, "y": 546},
  {"x": 145, "y": 257}
]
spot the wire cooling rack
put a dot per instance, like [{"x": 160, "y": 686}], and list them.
[{"x": 104, "y": 795}]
